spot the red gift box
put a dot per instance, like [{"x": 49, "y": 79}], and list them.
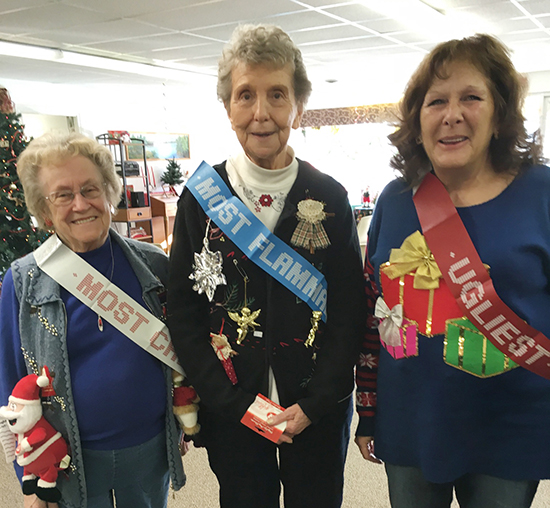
[{"x": 428, "y": 308}]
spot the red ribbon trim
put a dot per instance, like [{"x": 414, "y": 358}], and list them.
[{"x": 470, "y": 282}]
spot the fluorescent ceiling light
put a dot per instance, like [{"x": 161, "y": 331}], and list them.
[
  {"x": 156, "y": 69},
  {"x": 32, "y": 52}
]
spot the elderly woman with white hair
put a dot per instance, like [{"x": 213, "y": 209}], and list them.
[
  {"x": 266, "y": 290},
  {"x": 72, "y": 305}
]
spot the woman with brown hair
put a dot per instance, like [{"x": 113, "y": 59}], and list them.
[{"x": 459, "y": 255}]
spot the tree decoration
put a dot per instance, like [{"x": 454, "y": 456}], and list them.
[
  {"x": 18, "y": 235},
  {"x": 172, "y": 176}
]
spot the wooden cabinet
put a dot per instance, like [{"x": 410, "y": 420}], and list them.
[
  {"x": 132, "y": 214},
  {"x": 165, "y": 207}
]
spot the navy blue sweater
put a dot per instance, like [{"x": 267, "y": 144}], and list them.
[{"x": 444, "y": 420}]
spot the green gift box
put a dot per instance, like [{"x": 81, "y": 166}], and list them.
[{"x": 466, "y": 348}]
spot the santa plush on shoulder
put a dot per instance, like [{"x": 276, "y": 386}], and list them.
[{"x": 40, "y": 448}]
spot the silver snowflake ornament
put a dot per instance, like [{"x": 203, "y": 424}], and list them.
[{"x": 207, "y": 272}]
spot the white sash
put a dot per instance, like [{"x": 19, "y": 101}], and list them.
[{"x": 102, "y": 296}]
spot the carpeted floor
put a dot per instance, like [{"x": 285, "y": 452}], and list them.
[{"x": 365, "y": 485}]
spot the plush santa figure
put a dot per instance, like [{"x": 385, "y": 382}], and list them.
[
  {"x": 40, "y": 448},
  {"x": 185, "y": 405}
]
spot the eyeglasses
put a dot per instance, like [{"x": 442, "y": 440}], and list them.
[{"x": 66, "y": 197}]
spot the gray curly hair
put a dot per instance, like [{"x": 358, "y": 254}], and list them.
[
  {"x": 262, "y": 44},
  {"x": 57, "y": 148}
]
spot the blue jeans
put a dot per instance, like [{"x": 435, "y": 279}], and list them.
[
  {"x": 409, "y": 489},
  {"x": 136, "y": 477}
]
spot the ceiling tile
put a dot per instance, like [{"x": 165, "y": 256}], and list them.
[
  {"x": 132, "y": 8},
  {"x": 384, "y": 25},
  {"x": 408, "y": 37},
  {"x": 515, "y": 24},
  {"x": 290, "y": 22},
  {"x": 220, "y": 32},
  {"x": 535, "y": 7},
  {"x": 327, "y": 33},
  {"x": 10, "y": 5},
  {"x": 545, "y": 20},
  {"x": 49, "y": 17},
  {"x": 495, "y": 13},
  {"x": 364, "y": 41},
  {"x": 458, "y": 4},
  {"x": 150, "y": 44},
  {"x": 530, "y": 35},
  {"x": 206, "y": 50},
  {"x": 357, "y": 12},
  {"x": 326, "y": 3},
  {"x": 101, "y": 32},
  {"x": 208, "y": 14}
]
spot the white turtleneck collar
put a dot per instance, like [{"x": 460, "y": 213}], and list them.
[{"x": 262, "y": 190}]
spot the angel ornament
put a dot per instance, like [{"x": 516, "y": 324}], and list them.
[
  {"x": 246, "y": 319},
  {"x": 207, "y": 269}
]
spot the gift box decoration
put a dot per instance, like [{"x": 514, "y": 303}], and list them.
[
  {"x": 409, "y": 341},
  {"x": 412, "y": 278},
  {"x": 467, "y": 349}
]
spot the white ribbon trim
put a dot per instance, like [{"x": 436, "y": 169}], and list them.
[
  {"x": 25, "y": 461},
  {"x": 107, "y": 300},
  {"x": 390, "y": 322}
]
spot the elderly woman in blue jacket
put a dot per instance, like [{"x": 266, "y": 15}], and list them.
[{"x": 103, "y": 380}]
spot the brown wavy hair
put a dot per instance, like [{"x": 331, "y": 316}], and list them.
[{"x": 512, "y": 151}]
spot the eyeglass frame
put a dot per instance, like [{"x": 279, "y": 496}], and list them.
[{"x": 102, "y": 189}]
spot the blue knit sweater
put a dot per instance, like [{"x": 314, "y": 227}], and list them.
[{"x": 444, "y": 420}]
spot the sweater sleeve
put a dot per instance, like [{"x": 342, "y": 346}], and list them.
[
  {"x": 188, "y": 318},
  {"x": 367, "y": 366},
  {"x": 11, "y": 358}
]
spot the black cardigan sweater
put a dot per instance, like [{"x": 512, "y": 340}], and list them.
[{"x": 317, "y": 382}]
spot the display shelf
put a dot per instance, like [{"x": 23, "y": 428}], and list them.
[{"x": 128, "y": 170}]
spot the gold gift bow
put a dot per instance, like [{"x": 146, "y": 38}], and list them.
[{"x": 414, "y": 254}]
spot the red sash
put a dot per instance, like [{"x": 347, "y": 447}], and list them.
[{"x": 470, "y": 282}]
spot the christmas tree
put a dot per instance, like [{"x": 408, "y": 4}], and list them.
[
  {"x": 172, "y": 176},
  {"x": 18, "y": 236}
]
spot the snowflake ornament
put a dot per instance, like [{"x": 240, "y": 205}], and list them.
[{"x": 207, "y": 271}]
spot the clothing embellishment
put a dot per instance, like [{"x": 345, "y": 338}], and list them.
[
  {"x": 390, "y": 322},
  {"x": 408, "y": 341},
  {"x": 247, "y": 317},
  {"x": 224, "y": 352},
  {"x": 275, "y": 201},
  {"x": 414, "y": 254},
  {"x": 244, "y": 320},
  {"x": 310, "y": 232},
  {"x": 467, "y": 349},
  {"x": 315, "y": 318},
  {"x": 207, "y": 269},
  {"x": 266, "y": 200}
]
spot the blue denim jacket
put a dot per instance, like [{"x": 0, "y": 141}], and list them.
[{"x": 42, "y": 324}]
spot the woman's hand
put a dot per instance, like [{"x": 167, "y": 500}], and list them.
[
  {"x": 34, "y": 502},
  {"x": 366, "y": 447},
  {"x": 296, "y": 420}
]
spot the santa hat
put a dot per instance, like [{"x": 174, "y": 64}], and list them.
[{"x": 27, "y": 390}]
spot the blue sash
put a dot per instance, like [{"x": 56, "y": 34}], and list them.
[{"x": 259, "y": 244}]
